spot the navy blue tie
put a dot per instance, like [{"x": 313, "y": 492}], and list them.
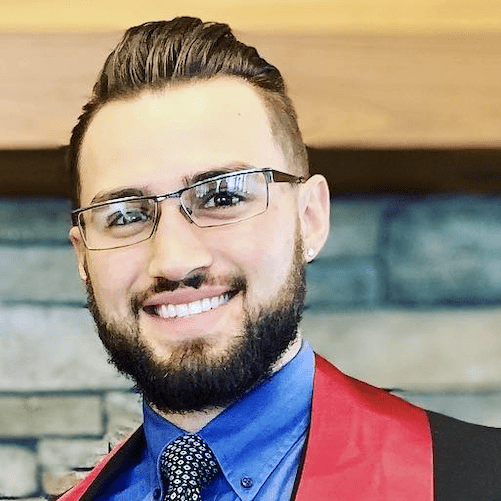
[{"x": 187, "y": 465}]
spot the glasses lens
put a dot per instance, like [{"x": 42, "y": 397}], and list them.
[
  {"x": 226, "y": 200},
  {"x": 118, "y": 224}
]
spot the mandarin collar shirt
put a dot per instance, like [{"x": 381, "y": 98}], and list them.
[{"x": 258, "y": 442}]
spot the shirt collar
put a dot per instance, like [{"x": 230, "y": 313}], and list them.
[{"x": 253, "y": 435}]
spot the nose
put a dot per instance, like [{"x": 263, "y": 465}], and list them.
[{"x": 177, "y": 247}]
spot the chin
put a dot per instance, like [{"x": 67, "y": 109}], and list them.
[{"x": 197, "y": 374}]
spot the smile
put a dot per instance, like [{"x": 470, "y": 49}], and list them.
[{"x": 193, "y": 308}]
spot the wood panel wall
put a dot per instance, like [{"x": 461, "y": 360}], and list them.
[
  {"x": 364, "y": 74},
  {"x": 357, "y": 91}
]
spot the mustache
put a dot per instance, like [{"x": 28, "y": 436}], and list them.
[{"x": 194, "y": 281}]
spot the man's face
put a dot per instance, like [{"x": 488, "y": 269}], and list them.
[{"x": 154, "y": 144}]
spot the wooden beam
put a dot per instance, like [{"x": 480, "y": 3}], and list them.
[
  {"x": 393, "y": 91},
  {"x": 348, "y": 171},
  {"x": 39, "y": 173},
  {"x": 44, "y": 81},
  {"x": 350, "y": 91},
  {"x": 416, "y": 171}
]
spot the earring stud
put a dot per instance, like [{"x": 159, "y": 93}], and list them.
[{"x": 310, "y": 253}]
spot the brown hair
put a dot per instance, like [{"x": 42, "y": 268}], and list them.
[{"x": 156, "y": 54}]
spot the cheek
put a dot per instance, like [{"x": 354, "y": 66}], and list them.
[
  {"x": 263, "y": 250},
  {"x": 113, "y": 275},
  {"x": 277, "y": 260}
]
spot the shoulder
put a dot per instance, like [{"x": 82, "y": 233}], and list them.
[
  {"x": 467, "y": 459},
  {"x": 338, "y": 392}
]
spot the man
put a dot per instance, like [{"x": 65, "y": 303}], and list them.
[{"x": 196, "y": 219}]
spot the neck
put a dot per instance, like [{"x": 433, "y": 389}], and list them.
[{"x": 193, "y": 422}]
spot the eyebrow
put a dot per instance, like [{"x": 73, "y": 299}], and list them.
[
  {"x": 187, "y": 181},
  {"x": 120, "y": 193},
  {"x": 218, "y": 171}
]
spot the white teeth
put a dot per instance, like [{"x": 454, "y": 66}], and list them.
[
  {"x": 193, "y": 308},
  {"x": 166, "y": 311},
  {"x": 205, "y": 304},
  {"x": 182, "y": 310},
  {"x": 171, "y": 311}
]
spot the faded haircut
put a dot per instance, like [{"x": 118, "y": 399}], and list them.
[{"x": 155, "y": 55}]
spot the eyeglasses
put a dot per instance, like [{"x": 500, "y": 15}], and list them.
[{"x": 217, "y": 201}]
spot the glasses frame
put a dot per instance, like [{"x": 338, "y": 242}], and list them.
[{"x": 271, "y": 176}]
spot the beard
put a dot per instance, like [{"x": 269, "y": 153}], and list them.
[{"x": 192, "y": 379}]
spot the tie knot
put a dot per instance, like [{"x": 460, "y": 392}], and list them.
[{"x": 188, "y": 465}]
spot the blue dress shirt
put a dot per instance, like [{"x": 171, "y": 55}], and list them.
[{"x": 258, "y": 442}]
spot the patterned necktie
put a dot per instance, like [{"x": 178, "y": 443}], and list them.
[{"x": 188, "y": 465}]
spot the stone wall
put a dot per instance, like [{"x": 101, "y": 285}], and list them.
[{"x": 405, "y": 295}]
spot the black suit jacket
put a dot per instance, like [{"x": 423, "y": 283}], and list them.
[{"x": 467, "y": 460}]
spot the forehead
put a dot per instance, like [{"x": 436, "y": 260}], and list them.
[{"x": 157, "y": 139}]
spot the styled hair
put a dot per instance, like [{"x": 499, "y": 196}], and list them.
[{"x": 154, "y": 55}]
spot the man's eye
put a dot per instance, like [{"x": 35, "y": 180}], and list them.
[
  {"x": 124, "y": 218},
  {"x": 222, "y": 199}
]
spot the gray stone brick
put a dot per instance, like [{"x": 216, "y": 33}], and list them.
[
  {"x": 444, "y": 251},
  {"x": 337, "y": 283},
  {"x": 60, "y": 454},
  {"x": 354, "y": 228},
  {"x": 449, "y": 350},
  {"x": 36, "y": 273},
  {"x": 50, "y": 416},
  {"x": 480, "y": 407},
  {"x": 124, "y": 414},
  {"x": 52, "y": 349},
  {"x": 18, "y": 474},
  {"x": 55, "y": 483},
  {"x": 34, "y": 220}
]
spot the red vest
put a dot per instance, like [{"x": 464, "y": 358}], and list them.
[{"x": 364, "y": 444}]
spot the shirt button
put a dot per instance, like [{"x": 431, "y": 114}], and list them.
[
  {"x": 156, "y": 494},
  {"x": 246, "y": 482}
]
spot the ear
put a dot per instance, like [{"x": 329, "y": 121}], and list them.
[
  {"x": 314, "y": 204},
  {"x": 80, "y": 250}
]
